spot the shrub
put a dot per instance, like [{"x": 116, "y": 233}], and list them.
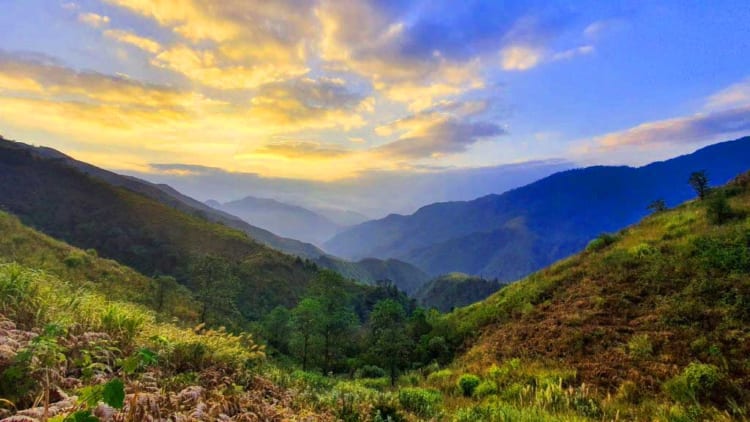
[
  {"x": 467, "y": 383},
  {"x": 639, "y": 346},
  {"x": 601, "y": 242},
  {"x": 696, "y": 382},
  {"x": 643, "y": 250},
  {"x": 420, "y": 401},
  {"x": 485, "y": 388},
  {"x": 718, "y": 209},
  {"x": 371, "y": 371},
  {"x": 378, "y": 384},
  {"x": 440, "y": 378},
  {"x": 75, "y": 259}
]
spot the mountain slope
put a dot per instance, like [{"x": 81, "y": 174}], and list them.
[
  {"x": 635, "y": 309},
  {"x": 145, "y": 234},
  {"x": 32, "y": 249},
  {"x": 454, "y": 290},
  {"x": 284, "y": 219},
  {"x": 168, "y": 196},
  {"x": 510, "y": 235}
]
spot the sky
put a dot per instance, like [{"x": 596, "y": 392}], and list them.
[{"x": 338, "y": 92}]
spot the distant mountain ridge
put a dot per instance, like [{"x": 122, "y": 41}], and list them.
[
  {"x": 283, "y": 219},
  {"x": 510, "y": 235}
]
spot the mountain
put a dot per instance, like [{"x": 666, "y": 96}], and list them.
[
  {"x": 283, "y": 219},
  {"x": 25, "y": 184},
  {"x": 454, "y": 290},
  {"x": 171, "y": 197},
  {"x": 120, "y": 222},
  {"x": 343, "y": 218},
  {"x": 405, "y": 276},
  {"x": 510, "y": 235},
  {"x": 655, "y": 313}
]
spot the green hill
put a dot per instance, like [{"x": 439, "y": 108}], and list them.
[
  {"x": 454, "y": 290},
  {"x": 654, "y": 320}
]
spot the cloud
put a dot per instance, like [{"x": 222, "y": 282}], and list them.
[
  {"x": 600, "y": 28},
  {"x": 700, "y": 127},
  {"x": 126, "y": 37},
  {"x": 94, "y": 20},
  {"x": 442, "y": 137},
  {"x": 573, "y": 52},
  {"x": 19, "y": 73},
  {"x": 302, "y": 149},
  {"x": 314, "y": 103},
  {"x": 231, "y": 44},
  {"x": 520, "y": 57},
  {"x": 448, "y": 128},
  {"x": 735, "y": 95}
]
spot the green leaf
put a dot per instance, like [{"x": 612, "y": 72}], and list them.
[
  {"x": 91, "y": 395},
  {"x": 148, "y": 357},
  {"x": 130, "y": 364},
  {"x": 114, "y": 393}
]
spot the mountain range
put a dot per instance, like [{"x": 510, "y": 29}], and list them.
[
  {"x": 156, "y": 230},
  {"x": 510, "y": 235},
  {"x": 283, "y": 219}
]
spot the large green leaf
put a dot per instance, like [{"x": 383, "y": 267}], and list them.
[{"x": 114, "y": 393}]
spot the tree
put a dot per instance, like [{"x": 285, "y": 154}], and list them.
[
  {"x": 390, "y": 343},
  {"x": 699, "y": 181},
  {"x": 164, "y": 286},
  {"x": 338, "y": 320},
  {"x": 306, "y": 324},
  {"x": 216, "y": 287},
  {"x": 277, "y": 328},
  {"x": 657, "y": 206}
]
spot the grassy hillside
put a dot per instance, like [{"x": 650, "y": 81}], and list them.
[
  {"x": 147, "y": 235},
  {"x": 454, "y": 290},
  {"x": 654, "y": 319},
  {"x": 510, "y": 235},
  {"x": 85, "y": 269}
]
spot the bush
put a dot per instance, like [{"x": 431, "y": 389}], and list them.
[
  {"x": 420, "y": 401},
  {"x": 440, "y": 379},
  {"x": 75, "y": 259},
  {"x": 485, "y": 388},
  {"x": 371, "y": 371},
  {"x": 718, "y": 209},
  {"x": 601, "y": 242},
  {"x": 696, "y": 382},
  {"x": 467, "y": 383}
]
